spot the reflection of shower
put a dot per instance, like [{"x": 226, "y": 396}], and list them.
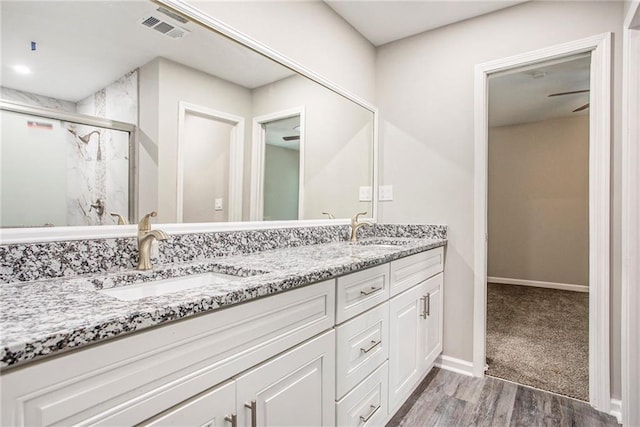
[
  {"x": 84, "y": 138},
  {"x": 87, "y": 138}
]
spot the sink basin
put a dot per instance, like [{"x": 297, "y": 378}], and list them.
[
  {"x": 381, "y": 243},
  {"x": 167, "y": 286}
]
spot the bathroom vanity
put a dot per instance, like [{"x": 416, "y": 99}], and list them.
[{"x": 328, "y": 334}]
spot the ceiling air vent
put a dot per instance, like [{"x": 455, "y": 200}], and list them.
[{"x": 162, "y": 26}]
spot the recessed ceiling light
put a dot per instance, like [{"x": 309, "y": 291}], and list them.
[{"x": 21, "y": 69}]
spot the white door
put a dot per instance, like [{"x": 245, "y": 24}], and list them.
[
  {"x": 407, "y": 342},
  {"x": 213, "y": 408},
  {"x": 294, "y": 389}
]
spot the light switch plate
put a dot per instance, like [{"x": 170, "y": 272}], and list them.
[
  {"x": 365, "y": 194},
  {"x": 385, "y": 193},
  {"x": 218, "y": 205}
]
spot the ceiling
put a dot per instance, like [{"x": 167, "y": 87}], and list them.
[
  {"x": 83, "y": 46},
  {"x": 276, "y": 130},
  {"x": 522, "y": 96},
  {"x": 384, "y": 21}
]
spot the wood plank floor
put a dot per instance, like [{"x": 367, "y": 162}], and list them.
[{"x": 445, "y": 398}]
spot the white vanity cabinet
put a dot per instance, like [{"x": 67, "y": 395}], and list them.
[
  {"x": 293, "y": 389},
  {"x": 132, "y": 379},
  {"x": 345, "y": 352},
  {"x": 415, "y": 330}
]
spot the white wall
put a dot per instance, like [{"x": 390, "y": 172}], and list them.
[
  {"x": 206, "y": 172},
  {"x": 337, "y": 148},
  {"x": 281, "y": 178},
  {"x": 148, "y": 137},
  {"x": 173, "y": 83},
  {"x": 538, "y": 204},
  {"x": 310, "y": 33},
  {"x": 425, "y": 94}
]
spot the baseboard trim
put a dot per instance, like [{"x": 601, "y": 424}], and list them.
[
  {"x": 616, "y": 409},
  {"x": 538, "y": 284},
  {"x": 454, "y": 365}
]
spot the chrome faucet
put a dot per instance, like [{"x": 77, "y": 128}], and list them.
[
  {"x": 355, "y": 225},
  {"x": 146, "y": 236}
]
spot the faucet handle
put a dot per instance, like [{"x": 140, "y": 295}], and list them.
[
  {"x": 121, "y": 219},
  {"x": 145, "y": 223},
  {"x": 354, "y": 219}
]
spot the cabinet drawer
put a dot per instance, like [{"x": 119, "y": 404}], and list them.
[
  {"x": 358, "y": 292},
  {"x": 409, "y": 271},
  {"x": 362, "y": 345},
  {"x": 365, "y": 405}
]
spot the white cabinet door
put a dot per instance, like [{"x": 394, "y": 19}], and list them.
[
  {"x": 433, "y": 319},
  {"x": 415, "y": 337},
  {"x": 212, "y": 408},
  {"x": 407, "y": 341},
  {"x": 294, "y": 389}
]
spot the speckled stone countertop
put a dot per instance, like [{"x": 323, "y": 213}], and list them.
[{"x": 44, "y": 317}]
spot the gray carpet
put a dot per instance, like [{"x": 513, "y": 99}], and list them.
[{"x": 539, "y": 337}]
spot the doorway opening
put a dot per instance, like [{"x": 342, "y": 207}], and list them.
[
  {"x": 209, "y": 165},
  {"x": 281, "y": 183},
  {"x": 538, "y": 226},
  {"x": 599, "y": 48},
  {"x": 278, "y": 166}
]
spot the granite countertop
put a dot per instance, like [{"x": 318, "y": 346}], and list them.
[{"x": 45, "y": 317}]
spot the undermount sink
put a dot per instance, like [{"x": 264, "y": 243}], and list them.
[
  {"x": 167, "y": 286},
  {"x": 381, "y": 243}
]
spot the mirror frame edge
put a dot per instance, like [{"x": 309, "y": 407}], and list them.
[{"x": 53, "y": 234}]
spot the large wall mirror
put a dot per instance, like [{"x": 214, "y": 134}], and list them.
[{"x": 112, "y": 109}]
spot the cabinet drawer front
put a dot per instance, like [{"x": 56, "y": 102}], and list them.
[
  {"x": 358, "y": 292},
  {"x": 129, "y": 380},
  {"x": 211, "y": 408},
  {"x": 362, "y": 345},
  {"x": 365, "y": 405},
  {"x": 410, "y": 271}
]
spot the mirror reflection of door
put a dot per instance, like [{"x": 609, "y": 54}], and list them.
[
  {"x": 281, "y": 169},
  {"x": 206, "y": 159}
]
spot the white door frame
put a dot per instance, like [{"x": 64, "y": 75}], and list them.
[
  {"x": 631, "y": 218},
  {"x": 257, "y": 160},
  {"x": 599, "y": 203},
  {"x": 236, "y": 150}
]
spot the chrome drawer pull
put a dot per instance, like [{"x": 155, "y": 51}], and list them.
[
  {"x": 367, "y": 417},
  {"x": 254, "y": 412},
  {"x": 424, "y": 307},
  {"x": 371, "y": 290},
  {"x": 374, "y": 344},
  {"x": 428, "y": 309},
  {"x": 233, "y": 419}
]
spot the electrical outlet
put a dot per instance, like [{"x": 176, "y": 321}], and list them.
[
  {"x": 385, "y": 193},
  {"x": 365, "y": 194},
  {"x": 218, "y": 205}
]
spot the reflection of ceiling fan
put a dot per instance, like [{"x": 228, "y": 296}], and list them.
[
  {"x": 584, "y": 107},
  {"x": 293, "y": 137}
]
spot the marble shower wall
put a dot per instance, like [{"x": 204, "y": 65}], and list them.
[
  {"x": 99, "y": 158},
  {"x": 37, "y": 100}
]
